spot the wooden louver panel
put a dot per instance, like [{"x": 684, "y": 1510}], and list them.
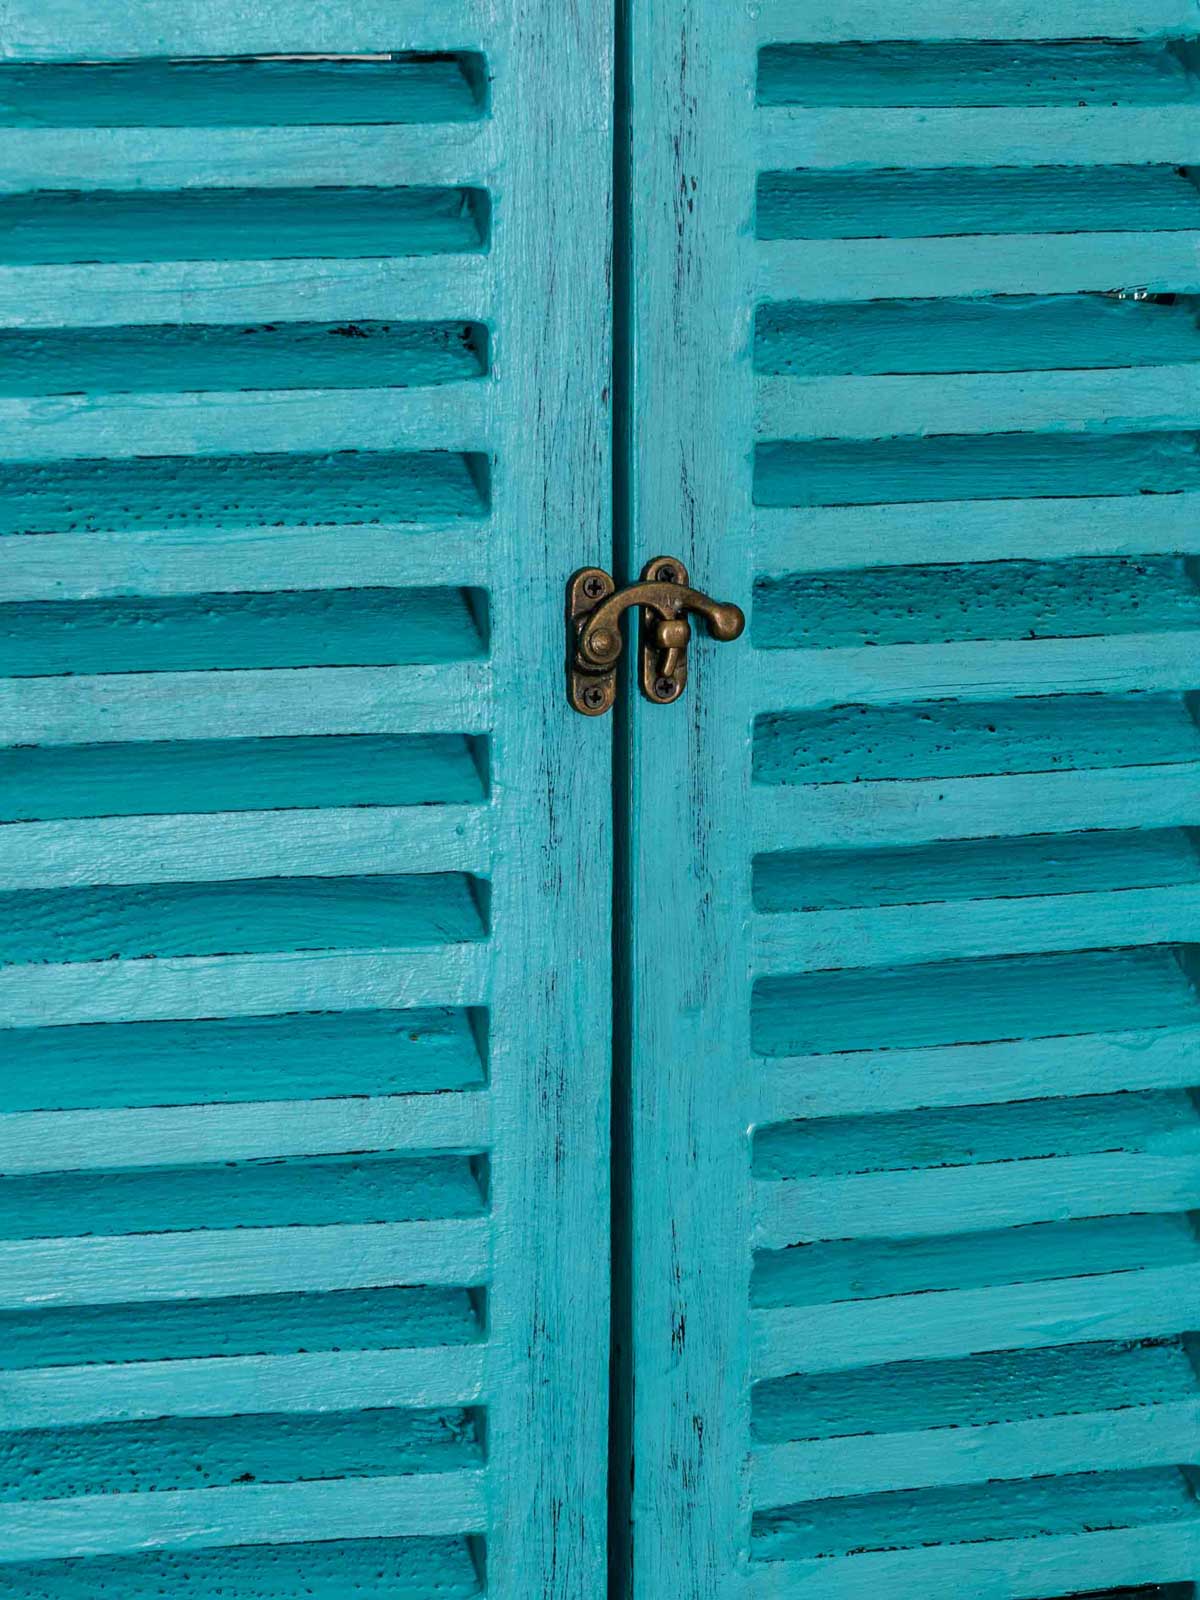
[
  {"x": 285, "y": 1143},
  {"x": 943, "y": 882}
]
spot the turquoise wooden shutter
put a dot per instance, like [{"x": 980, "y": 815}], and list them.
[
  {"x": 303, "y": 1274},
  {"x": 914, "y": 896}
]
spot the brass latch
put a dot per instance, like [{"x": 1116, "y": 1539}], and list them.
[{"x": 594, "y": 609}]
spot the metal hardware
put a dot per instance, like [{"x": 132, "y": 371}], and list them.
[{"x": 594, "y": 644}]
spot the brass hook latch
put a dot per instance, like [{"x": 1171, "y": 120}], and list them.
[{"x": 594, "y": 609}]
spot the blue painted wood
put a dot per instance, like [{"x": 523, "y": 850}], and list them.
[
  {"x": 912, "y": 989},
  {"x": 75, "y": 30},
  {"x": 1028, "y": 262},
  {"x": 248, "y": 157},
  {"x": 304, "y": 1115},
  {"x": 690, "y": 432},
  {"x": 60, "y": 1397},
  {"x": 788, "y": 20}
]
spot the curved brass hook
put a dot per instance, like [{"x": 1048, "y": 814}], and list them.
[
  {"x": 665, "y": 597},
  {"x": 600, "y": 640}
]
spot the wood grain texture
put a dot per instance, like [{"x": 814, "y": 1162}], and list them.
[
  {"x": 1032, "y": 262},
  {"x": 73, "y": 30},
  {"x": 837, "y": 139},
  {"x": 305, "y": 372},
  {"x": 940, "y": 19},
  {"x": 549, "y": 1047},
  {"x": 247, "y": 157},
  {"x": 251, "y": 290},
  {"x": 690, "y": 426},
  {"x": 967, "y": 948}
]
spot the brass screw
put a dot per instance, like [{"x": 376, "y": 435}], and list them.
[
  {"x": 593, "y": 697},
  {"x": 667, "y": 575},
  {"x": 593, "y": 587}
]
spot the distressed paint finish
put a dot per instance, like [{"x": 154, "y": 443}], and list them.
[
  {"x": 550, "y": 1066},
  {"x": 690, "y": 426},
  {"x": 304, "y": 1109},
  {"x": 915, "y": 1038}
]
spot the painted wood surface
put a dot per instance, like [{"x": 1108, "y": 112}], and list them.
[
  {"x": 306, "y": 864},
  {"x": 912, "y": 870},
  {"x": 690, "y": 432}
]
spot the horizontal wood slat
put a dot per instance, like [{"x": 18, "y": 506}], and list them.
[
  {"x": 815, "y": 941},
  {"x": 841, "y": 139},
  {"x": 293, "y": 1513},
  {"x": 913, "y": 810},
  {"x": 455, "y": 416},
  {"x": 73, "y": 30},
  {"x": 992, "y": 669},
  {"x": 318, "y": 1381},
  {"x": 966, "y": 1199},
  {"x": 865, "y": 1082},
  {"x": 84, "y": 159},
  {"x": 207, "y": 1264},
  {"x": 241, "y": 986},
  {"x": 840, "y": 538},
  {"x": 1149, "y": 1435},
  {"x": 979, "y": 403},
  {"x": 256, "y": 703},
  {"x": 1026, "y": 263},
  {"x": 82, "y": 1141},
  {"x": 225, "y": 846},
  {"x": 1149, "y": 1303},
  {"x": 87, "y": 566},
  {"x": 1053, "y": 1564},
  {"x": 320, "y": 289},
  {"x": 788, "y": 20}
]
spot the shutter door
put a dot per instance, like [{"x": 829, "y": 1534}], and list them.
[
  {"x": 302, "y": 1276},
  {"x": 916, "y": 1026}
]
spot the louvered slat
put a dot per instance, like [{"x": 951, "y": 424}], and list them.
[
  {"x": 815, "y": 941},
  {"x": 1154, "y": 1551},
  {"x": 908, "y": 812},
  {"x": 241, "y": 562},
  {"x": 240, "y": 986},
  {"x": 988, "y": 670},
  {"x": 831, "y": 140},
  {"x": 904, "y": 1204},
  {"x": 150, "y": 159},
  {"x": 1040, "y": 402},
  {"x": 251, "y": 290},
  {"x": 1148, "y": 1431},
  {"x": 422, "y": 1505},
  {"x": 74, "y": 30},
  {"x": 74, "y": 1141},
  {"x": 1032, "y": 262},
  {"x": 842, "y": 538},
  {"x": 157, "y": 1267},
  {"x": 939, "y": 19},
  {"x": 240, "y": 844},
  {"x": 64, "y": 1397},
  {"x": 946, "y": 1324},
  {"x": 214, "y": 423},
  {"x": 247, "y": 704},
  {"x": 793, "y": 1087}
]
